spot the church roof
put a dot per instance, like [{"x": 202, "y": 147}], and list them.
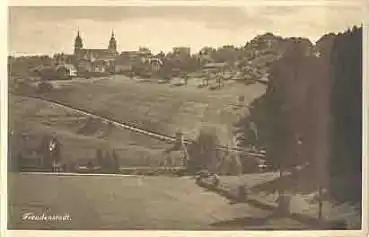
[
  {"x": 101, "y": 51},
  {"x": 98, "y": 53}
]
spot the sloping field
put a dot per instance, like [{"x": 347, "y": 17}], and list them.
[
  {"x": 79, "y": 135},
  {"x": 131, "y": 202},
  {"x": 160, "y": 107}
]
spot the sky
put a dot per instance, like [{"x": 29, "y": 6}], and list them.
[{"x": 49, "y": 30}]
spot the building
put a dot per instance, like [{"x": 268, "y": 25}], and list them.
[
  {"x": 95, "y": 60},
  {"x": 182, "y": 51},
  {"x": 214, "y": 68},
  {"x": 66, "y": 70},
  {"x": 55, "y": 72},
  {"x": 127, "y": 60},
  {"x": 139, "y": 60},
  {"x": 107, "y": 61},
  {"x": 155, "y": 64}
]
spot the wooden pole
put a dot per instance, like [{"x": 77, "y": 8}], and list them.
[
  {"x": 320, "y": 211},
  {"x": 280, "y": 191}
]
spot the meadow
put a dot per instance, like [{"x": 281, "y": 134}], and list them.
[
  {"x": 148, "y": 105},
  {"x": 162, "y": 108},
  {"x": 78, "y": 136}
]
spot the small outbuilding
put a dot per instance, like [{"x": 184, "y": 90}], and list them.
[{"x": 66, "y": 71}]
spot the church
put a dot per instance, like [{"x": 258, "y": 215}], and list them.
[{"x": 94, "y": 61}]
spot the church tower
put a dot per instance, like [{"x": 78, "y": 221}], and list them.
[
  {"x": 112, "y": 43},
  {"x": 78, "y": 43}
]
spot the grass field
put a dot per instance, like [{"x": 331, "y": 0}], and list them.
[
  {"x": 79, "y": 138},
  {"x": 148, "y": 105},
  {"x": 160, "y": 107},
  {"x": 130, "y": 203}
]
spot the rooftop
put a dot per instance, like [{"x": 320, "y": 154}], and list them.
[{"x": 215, "y": 65}]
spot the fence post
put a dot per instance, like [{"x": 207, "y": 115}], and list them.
[{"x": 242, "y": 194}]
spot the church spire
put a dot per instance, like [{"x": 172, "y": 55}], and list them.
[
  {"x": 112, "y": 42},
  {"x": 78, "y": 42}
]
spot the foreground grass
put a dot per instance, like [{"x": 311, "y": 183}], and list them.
[{"x": 110, "y": 202}]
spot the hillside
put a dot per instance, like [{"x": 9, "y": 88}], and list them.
[
  {"x": 157, "y": 107},
  {"x": 79, "y": 135}
]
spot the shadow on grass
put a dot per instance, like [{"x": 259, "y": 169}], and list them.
[
  {"x": 269, "y": 223},
  {"x": 265, "y": 223},
  {"x": 309, "y": 221},
  {"x": 243, "y": 222},
  {"x": 260, "y": 223}
]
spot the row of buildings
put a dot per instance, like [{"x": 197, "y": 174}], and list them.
[
  {"x": 109, "y": 60},
  {"x": 100, "y": 61}
]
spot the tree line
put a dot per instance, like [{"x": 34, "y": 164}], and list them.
[{"x": 311, "y": 113}]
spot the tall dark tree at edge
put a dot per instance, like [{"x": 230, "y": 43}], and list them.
[
  {"x": 346, "y": 75},
  {"x": 292, "y": 118},
  {"x": 316, "y": 99},
  {"x": 296, "y": 104}
]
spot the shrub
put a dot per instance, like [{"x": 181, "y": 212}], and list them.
[
  {"x": 203, "y": 153},
  {"x": 44, "y": 87},
  {"x": 21, "y": 86}
]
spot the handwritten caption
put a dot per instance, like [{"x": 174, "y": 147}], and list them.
[{"x": 30, "y": 216}]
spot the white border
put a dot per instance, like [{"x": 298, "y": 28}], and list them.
[
  {"x": 3, "y": 114},
  {"x": 335, "y": 233},
  {"x": 3, "y": 94},
  {"x": 365, "y": 108},
  {"x": 188, "y": 3}
]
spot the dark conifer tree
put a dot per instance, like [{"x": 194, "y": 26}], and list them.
[{"x": 346, "y": 76}]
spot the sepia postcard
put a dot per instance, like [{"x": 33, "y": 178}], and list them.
[{"x": 184, "y": 118}]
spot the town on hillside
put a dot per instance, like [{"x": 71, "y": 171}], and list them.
[
  {"x": 226, "y": 62},
  {"x": 263, "y": 135}
]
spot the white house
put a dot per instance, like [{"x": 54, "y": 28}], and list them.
[{"x": 67, "y": 70}]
